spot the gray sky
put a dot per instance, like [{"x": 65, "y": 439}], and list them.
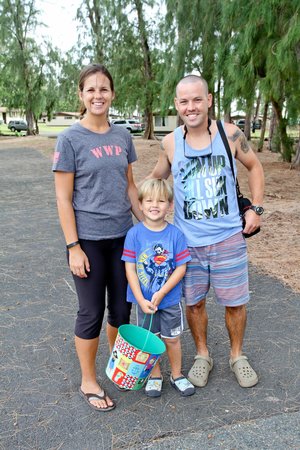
[{"x": 59, "y": 17}]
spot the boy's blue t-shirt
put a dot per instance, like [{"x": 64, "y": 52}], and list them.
[{"x": 156, "y": 255}]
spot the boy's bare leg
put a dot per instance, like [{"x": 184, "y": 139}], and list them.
[
  {"x": 156, "y": 372},
  {"x": 174, "y": 355}
]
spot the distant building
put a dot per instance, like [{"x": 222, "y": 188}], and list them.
[
  {"x": 165, "y": 124},
  {"x": 60, "y": 119},
  {"x": 7, "y": 114}
]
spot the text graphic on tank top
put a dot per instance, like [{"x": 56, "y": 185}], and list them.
[{"x": 204, "y": 186}]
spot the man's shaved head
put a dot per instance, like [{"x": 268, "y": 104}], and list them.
[{"x": 193, "y": 79}]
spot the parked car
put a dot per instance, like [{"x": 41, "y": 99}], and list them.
[
  {"x": 132, "y": 125},
  {"x": 255, "y": 124},
  {"x": 17, "y": 125},
  {"x": 241, "y": 124}
]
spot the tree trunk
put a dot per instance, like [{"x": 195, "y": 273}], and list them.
[
  {"x": 96, "y": 18},
  {"x": 296, "y": 162},
  {"x": 227, "y": 116},
  {"x": 30, "y": 123},
  {"x": 37, "y": 130},
  {"x": 263, "y": 128},
  {"x": 257, "y": 106},
  {"x": 285, "y": 143},
  {"x": 219, "y": 98},
  {"x": 212, "y": 110},
  {"x": 247, "y": 131},
  {"x": 149, "y": 131},
  {"x": 273, "y": 145}
]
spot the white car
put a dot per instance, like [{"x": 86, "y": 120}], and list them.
[{"x": 131, "y": 125}]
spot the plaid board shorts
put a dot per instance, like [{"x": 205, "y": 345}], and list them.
[{"x": 224, "y": 266}]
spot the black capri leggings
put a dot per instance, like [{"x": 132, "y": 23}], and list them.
[{"x": 107, "y": 274}]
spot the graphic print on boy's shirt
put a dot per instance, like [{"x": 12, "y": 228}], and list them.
[
  {"x": 155, "y": 255},
  {"x": 154, "y": 267}
]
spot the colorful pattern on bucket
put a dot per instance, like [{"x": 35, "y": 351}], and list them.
[{"x": 129, "y": 367}]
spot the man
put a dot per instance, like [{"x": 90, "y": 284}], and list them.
[{"x": 206, "y": 211}]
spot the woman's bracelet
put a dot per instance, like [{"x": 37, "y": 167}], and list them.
[{"x": 72, "y": 244}]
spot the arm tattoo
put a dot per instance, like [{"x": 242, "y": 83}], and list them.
[
  {"x": 245, "y": 147},
  {"x": 162, "y": 145},
  {"x": 235, "y": 136}
]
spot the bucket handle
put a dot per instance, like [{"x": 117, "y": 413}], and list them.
[{"x": 149, "y": 329}]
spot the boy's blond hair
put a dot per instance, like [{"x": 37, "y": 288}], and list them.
[{"x": 156, "y": 188}]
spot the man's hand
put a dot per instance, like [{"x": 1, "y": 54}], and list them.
[{"x": 252, "y": 220}]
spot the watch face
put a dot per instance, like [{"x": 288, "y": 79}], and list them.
[{"x": 258, "y": 209}]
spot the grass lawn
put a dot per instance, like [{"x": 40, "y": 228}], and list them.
[
  {"x": 4, "y": 131},
  {"x": 51, "y": 129},
  {"x": 43, "y": 128}
]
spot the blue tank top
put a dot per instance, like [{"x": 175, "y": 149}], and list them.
[{"x": 206, "y": 208}]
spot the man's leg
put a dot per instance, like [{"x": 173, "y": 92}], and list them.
[
  {"x": 198, "y": 321},
  {"x": 236, "y": 318}
]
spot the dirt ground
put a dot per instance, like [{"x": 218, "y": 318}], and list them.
[{"x": 276, "y": 249}]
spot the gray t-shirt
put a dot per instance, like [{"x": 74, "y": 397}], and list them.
[{"x": 100, "y": 164}]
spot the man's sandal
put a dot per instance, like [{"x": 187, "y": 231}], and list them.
[
  {"x": 198, "y": 375},
  {"x": 182, "y": 385},
  {"x": 100, "y": 396},
  {"x": 154, "y": 386},
  {"x": 244, "y": 373}
]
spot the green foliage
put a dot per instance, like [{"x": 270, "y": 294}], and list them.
[
  {"x": 238, "y": 46},
  {"x": 26, "y": 66}
]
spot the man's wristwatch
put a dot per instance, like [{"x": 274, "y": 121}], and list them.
[{"x": 257, "y": 209}]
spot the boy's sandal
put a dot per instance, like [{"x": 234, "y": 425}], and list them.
[
  {"x": 244, "y": 373},
  {"x": 154, "y": 386},
  {"x": 198, "y": 375},
  {"x": 183, "y": 386},
  {"x": 103, "y": 396}
]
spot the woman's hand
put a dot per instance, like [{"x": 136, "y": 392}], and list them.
[{"x": 78, "y": 261}]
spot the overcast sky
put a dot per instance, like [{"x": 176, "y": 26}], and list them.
[{"x": 59, "y": 17}]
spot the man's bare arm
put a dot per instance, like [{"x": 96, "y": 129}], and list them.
[
  {"x": 239, "y": 139},
  {"x": 245, "y": 154},
  {"x": 162, "y": 168}
]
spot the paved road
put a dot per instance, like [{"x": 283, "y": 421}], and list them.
[{"x": 40, "y": 406}]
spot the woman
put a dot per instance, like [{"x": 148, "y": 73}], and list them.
[{"x": 95, "y": 192}]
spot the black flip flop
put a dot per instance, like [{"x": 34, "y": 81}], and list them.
[{"x": 89, "y": 397}]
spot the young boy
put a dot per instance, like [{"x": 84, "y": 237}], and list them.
[{"x": 155, "y": 255}]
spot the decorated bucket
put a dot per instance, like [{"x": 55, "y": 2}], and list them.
[{"x": 135, "y": 353}]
